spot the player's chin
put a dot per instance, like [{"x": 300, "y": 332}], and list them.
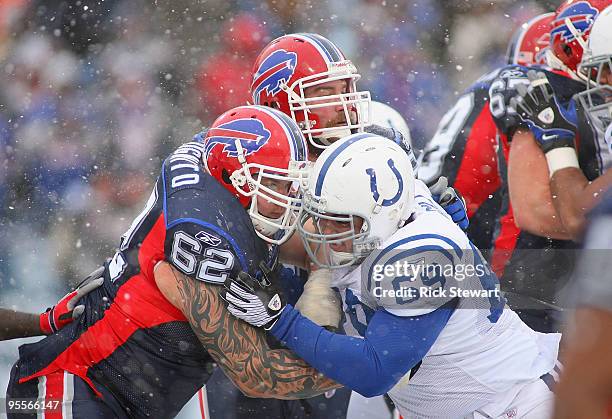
[{"x": 340, "y": 248}]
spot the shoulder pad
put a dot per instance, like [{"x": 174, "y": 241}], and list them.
[{"x": 204, "y": 222}]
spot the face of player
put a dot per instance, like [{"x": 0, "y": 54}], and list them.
[
  {"x": 606, "y": 78},
  {"x": 333, "y": 115},
  {"x": 329, "y": 227},
  {"x": 269, "y": 209}
]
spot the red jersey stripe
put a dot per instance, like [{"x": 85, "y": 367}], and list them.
[{"x": 477, "y": 176}]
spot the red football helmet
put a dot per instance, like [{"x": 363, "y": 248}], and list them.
[
  {"x": 530, "y": 41},
  {"x": 290, "y": 65},
  {"x": 255, "y": 151},
  {"x": 569, "y": 33}
]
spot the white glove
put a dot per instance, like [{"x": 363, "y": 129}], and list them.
[{"x": 319, "y": 302}]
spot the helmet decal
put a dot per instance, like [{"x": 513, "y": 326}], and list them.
[
  {"x": 543, "y": 43},
  {"x": 374, "y": 186},
  {"x": 582, "y": 15},
  {"x": 250, "y": 132},
  {"x": 277, "y": 68}
]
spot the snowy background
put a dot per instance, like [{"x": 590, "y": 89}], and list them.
[{"x": 94, "y": 93}]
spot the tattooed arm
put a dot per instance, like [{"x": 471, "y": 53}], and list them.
[{"x": 240, "y": 349}]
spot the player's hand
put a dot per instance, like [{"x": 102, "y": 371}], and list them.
[
  {"x": 66, "y": 310},
  {"x": 397, "y": 137},
  {"x": 257, "y": 301},
  {"x": 451, "y": 201},
  {"x": 552, "y": 125},
  {"x": 319, "y": 302}
]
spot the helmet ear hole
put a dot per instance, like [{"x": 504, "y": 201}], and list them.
[
  {"x": 567, "y": 50},
  {"x": 226, "y": 177}
]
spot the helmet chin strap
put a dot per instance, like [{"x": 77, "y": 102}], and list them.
[
  {"x": 327, "y": 138},
  {"x": 266, "y": 226},
  {"x": 340, "y": 258}
]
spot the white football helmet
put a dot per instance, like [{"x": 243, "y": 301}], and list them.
[
  {"x": 385, "y": 116},
  {"x": 596, "y": 66},
  {"x": 360, "y": 177}
]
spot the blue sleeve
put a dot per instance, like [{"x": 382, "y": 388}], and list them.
[
  {"x": 292, "y": 282},
  {"x": 372, "y": 365}
]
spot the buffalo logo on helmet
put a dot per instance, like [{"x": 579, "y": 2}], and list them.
[
  {"x": 581, "y": 14},
  {"x": 542, "y": 44},
  {"x": 276, "y": 69},
  {"x": 251, "y": 134}
]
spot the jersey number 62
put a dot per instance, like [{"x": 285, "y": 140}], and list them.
[{"x": 210, "y": 265}]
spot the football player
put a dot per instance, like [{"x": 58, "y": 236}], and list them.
[
  {"x": 149, "y": 335},
  {"x": 538, "y": 260},
  {"x": 585, "y": 388},
  {"x": 466, "y": 146},
  {"x": 470, "y": 357},
  {"x": 574, "y": 193}
]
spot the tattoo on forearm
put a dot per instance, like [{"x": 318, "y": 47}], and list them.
[{"x": 242, "y": 350}]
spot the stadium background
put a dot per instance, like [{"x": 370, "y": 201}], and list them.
[{"x": 94, "y": 93}]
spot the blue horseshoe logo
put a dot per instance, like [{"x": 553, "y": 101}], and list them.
[{"x": 374, "y": 187}]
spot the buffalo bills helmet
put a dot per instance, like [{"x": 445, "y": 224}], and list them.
[
  {"x": 287, "y": 75},
  {"x": 258, "y": 152},
  {"x": 530, "y": 41},
  {"x": 569, "y": 34}
]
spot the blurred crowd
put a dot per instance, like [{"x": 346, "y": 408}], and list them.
[{"x": 93, "y": 94}]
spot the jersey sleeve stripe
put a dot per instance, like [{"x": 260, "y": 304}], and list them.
[{"x": 406, "y": 240}]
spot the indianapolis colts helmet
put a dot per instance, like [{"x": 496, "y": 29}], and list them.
[{"x": 362, "y": 177}]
